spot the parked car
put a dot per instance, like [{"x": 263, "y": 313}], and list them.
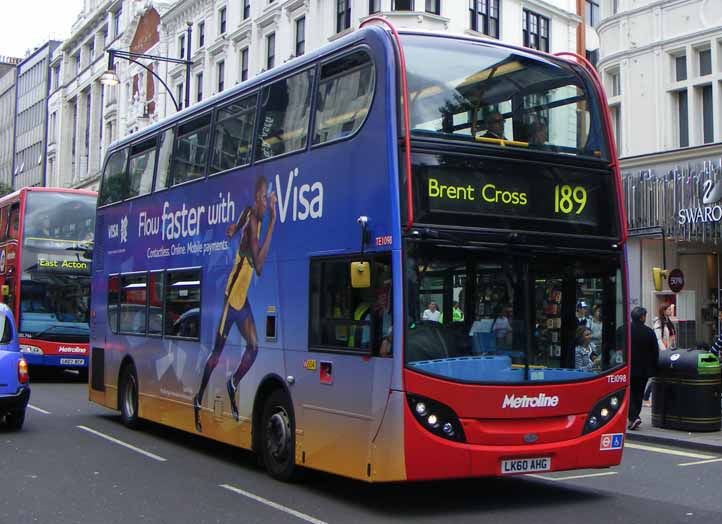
[{"x": 14, "y": 378}]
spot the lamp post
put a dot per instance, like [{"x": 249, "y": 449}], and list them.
[{"x": 110, "y": 78}]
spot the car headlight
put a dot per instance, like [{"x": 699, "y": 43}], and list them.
[
  {"x": 603, "y": 411},
  {"x": 27, "y": 348},
  {"x": 436, "y": 417}
]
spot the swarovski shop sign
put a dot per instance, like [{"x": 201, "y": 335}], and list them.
[{"x": 685, "y": 200}]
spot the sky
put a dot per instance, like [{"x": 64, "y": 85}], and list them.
[{"x": 26, "y": 24}]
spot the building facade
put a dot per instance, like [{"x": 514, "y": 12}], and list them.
[
  {"x": 31, "y": 112},
  {"x": 661, "y": 62},
  {"x": 235, "y": 40},
  {"x": 8, "y": 78},
  {"x": 82, "y": 120}
]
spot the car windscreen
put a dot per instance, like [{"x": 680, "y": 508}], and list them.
[{"x": 476, "y": 92}]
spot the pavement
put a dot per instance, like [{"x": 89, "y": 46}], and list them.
[{"x": 704, "y": 441}]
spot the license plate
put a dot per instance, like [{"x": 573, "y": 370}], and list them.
[
  {"x": 72, "y": 361},
  {"x": 525, "y": 465}
]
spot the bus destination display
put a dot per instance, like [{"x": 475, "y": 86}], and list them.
[{"x": 514, "y": 196}]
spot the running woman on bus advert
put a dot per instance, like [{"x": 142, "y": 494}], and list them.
[{"x": 251, "y": 256}]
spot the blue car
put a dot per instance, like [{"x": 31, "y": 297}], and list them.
[{"x": 14, "y": 378}]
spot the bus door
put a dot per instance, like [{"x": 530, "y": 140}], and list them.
[{"x": 345, "y": 387}]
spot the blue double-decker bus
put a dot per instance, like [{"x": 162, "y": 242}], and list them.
[{"x": 399, "y": 257}]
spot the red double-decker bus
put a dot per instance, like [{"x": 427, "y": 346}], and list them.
[{"x": 45, "y": 235}]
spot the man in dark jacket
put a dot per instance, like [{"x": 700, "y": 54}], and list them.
[{"x": 645, "y": 352}]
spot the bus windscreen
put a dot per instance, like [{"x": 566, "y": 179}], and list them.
[
  {"x": 473, "y": 92},
  {"x": 55, "y": 282}
]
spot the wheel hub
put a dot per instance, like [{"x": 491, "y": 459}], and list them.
[{"x": 278, "y": 434}]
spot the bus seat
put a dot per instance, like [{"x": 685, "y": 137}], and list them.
[{"x": 484, "y": 343}]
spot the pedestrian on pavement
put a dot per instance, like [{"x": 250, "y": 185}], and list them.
[
  {"x": 664, "y": 327},
  {"x": 645, "y": 352}
]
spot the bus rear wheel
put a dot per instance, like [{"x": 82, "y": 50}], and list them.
[
  {"x": 129, "y": 397},
  {"x": 278, "y": 437}
]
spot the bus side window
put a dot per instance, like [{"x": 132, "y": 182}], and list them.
[
  {"x": 233, "y": 138},
  {"x": 164, "y": 156},
  {"x": 114, "y": 186},
  {"x": 141, "y": 168},
  {"x": 344, "y": 96},
  {"x": 113, "y": 296},
  {"x": 285, "y": 112},
  {"x": 183, "y": 304},
  {"x": 3, "y": 223},
  {"x": 14, "y": 222},
  {"x": 191, "y": 149}
]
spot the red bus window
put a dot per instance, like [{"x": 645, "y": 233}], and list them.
[
  {"x": 3, "y": 223},
  {"x": 14, "y": 222}
]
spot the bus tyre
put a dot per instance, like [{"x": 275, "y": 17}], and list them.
[
  {"x": 129, "y": 397},
  {"x": 278, "y": 436},
  {"x": 14, "y": 420}
]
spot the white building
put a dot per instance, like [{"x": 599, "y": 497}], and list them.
[
  {"x": 235, "y": 40},
  {"x": 8, "y": 77},
  {"x": 85, "y": 116},
  {"x": 661, "y": 61}
]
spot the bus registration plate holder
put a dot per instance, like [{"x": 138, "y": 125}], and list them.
[
  {"x": 525, "y": 465},
  {"x": 72, "y": 361}
]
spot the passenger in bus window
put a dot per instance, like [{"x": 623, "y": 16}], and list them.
[
  {"x": 250, "y": 257},
  {"x": 432, "y": 313},
  {"x": 494, "y": 125},
  {"x": 538, "y": 133},
  {"x": 585, "y": 358},
  {"x": 596, "y": 324}
]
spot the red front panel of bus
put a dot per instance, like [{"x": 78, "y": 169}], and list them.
[{"x": 499, "y": 434}]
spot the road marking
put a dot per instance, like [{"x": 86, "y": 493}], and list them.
[
  {"x": 272, "y": 504},
  {"x": 700, "y": 462},
  {"x": 124, "y": 444},
  {"x": 575, "y": 477},
  {"x": 669, "y": 451},
  {"x": 35, "y": 408}
]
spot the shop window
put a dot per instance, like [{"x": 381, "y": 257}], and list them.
[{"x": 183, "y": 304}]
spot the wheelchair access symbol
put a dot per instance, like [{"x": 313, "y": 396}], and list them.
[{"x": 611, "y": 441}]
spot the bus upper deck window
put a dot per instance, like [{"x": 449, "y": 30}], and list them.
[
  {"x": 285, "y": 112},
  {"x": 233, "y": 136},
  {"x": 344, "y": 96},
  {"x": 164, "y": 156},
  {"x": 191, "y": 149},
  {"x": 14, "y": 222},
  {"x": 114, "y": 187}
]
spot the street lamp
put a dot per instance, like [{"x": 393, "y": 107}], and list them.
[{"x": 110, "y": 78}]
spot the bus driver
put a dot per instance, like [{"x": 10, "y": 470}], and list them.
[{"x": 236, "y": 309}]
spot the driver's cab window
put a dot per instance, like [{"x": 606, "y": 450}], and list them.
[{"x": 348, "y": 318}]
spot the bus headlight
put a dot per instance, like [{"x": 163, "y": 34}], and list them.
[
  {"x": 436, "y": 417},
  {"x": 27, "y": 348},
  {"x": 603, "y": 411}
]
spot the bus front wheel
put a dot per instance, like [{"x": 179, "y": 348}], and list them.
[
  {"x": 129, "y": 397},
  {"x": 278, "y": 436}
]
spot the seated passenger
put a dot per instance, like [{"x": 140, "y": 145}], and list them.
[
  {"x": 585, "y": 358},
  {"x": 494, "y": 122}
]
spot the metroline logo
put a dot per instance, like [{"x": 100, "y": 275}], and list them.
[{"x": 540, "y": 401}]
